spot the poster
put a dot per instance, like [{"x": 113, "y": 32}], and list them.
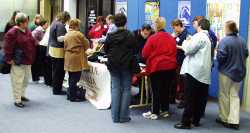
[
  {"x": 184, "y": 12},
  {"x": 152, "y": 11},
  {"x": 220, "y": 11},
  {"x": 121, "y": 6}
]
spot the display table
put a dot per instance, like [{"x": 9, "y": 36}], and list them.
[{"x": 97, "y": 83}]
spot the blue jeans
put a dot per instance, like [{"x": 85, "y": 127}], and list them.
[{"x": 121, "y": 95}]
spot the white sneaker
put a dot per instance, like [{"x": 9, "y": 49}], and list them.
[
  {"x": 147, "y": 114},
  {"x": 164, "y": 114},
  {"x": 153, "y": 117}
]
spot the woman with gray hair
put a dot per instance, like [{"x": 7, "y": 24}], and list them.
[{"x": 19, "y": 48}]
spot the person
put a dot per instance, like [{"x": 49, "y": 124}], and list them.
[
  {"x": 98, "y": 29},
  {"x": 119, "y": 47},
  {"x": 11, "y": 23},
  {"x": 177, "y": 91},
  {"x": 56, "y": 51},
  {"x": 36, "y": 22},
  {"x": 141, "y": 36},
  {"x": 75, "y": 59},
  {"x": 231, "y": 55},
  {"x": 19, "y": 49},
  {"x": 197, "y": 70},
  {"x": 213, "y": 40},
  {"x": 37, "y": 68},
  {"x": 160, "y": 55},
  {"x": 111, "y": 28}
]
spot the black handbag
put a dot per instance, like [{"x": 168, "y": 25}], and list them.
[
  {"x": 18, "y": 56},
  {"x": 4, "y": 66}
]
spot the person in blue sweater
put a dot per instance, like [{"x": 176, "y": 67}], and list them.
[{"x": 231, "y": 55}]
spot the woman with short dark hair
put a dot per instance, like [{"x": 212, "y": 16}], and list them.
[
  {"x": 56, "y": 51},
  {"x": 19, "y": 49},
  {"x": 231, "y": 55},
  {"x": 11, "y": 23},
  {"x": 196, "y": 68},
  {"x": 119, "y": 47}
]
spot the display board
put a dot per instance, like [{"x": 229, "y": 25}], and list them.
[
  {"x": 220, "y": 11},
  {"x": 121, "y": 6},
  {"x": 152, "y": 11},
  {"x": 184, "y": 12}
]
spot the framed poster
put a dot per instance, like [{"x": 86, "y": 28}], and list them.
[
  {"x": 218, "y": 12},
  {"x": 184, "y": 12},
  {"x": 121, "y": 6},
  {"x": 152, "y": 11}
]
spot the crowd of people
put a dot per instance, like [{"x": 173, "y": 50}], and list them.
[{"x": 178, "y": 65}]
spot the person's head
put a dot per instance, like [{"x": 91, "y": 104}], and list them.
[
  {"x": 146, "y": 30},
  {"x": 203, "y": 24},
  {"x": 13, "y": 17},
  {"x": 74, "y": 24},
  {"x": 100, "y": 20},
  {"x": 177, "y": 26},
  {"x": 21, "y": 20},
  {"x": 231, "y": 28},
  {"x": 160, "y": 24},
  {"x": 120, "y": 20},
  {"x": 110, "y": 19},
  {"x": 63, "y": 17},
  {"x": 196, "y": 21},
  {"x": 44, "y": 23},
  {"x": 37, "y": 19}
]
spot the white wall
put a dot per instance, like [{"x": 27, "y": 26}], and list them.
[
  {"x": 7, "y": 7},
  {"x": 70, "y": 6}
]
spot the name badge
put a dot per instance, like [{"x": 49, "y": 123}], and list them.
[{"x": 177, "y": 39}]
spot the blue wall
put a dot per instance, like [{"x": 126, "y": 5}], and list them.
[{"x": 169, "y": 10}]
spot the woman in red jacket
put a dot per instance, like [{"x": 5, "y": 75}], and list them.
[
  {"x": 98, "y": 29},
  {"x": 160, "y": 55}
]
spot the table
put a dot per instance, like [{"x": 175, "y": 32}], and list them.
[{"x": 97, "y": 83}]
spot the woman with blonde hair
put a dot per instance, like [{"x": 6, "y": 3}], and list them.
[
  {"x": 75, "y": 58},
  {"x": 160, "y": 55}
]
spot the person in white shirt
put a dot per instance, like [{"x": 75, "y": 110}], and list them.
[{"x": 196, "y": 68}]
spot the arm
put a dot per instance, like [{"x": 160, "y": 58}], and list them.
[
  {"x": 60, "y": 32},
  {"x": 221, "y": 52},
  {"x": 9, "y": 42},
  {"x": 192, "y": 46},
  {"x": 84, "y": 41},
  {"x": 147, "y": 48}
]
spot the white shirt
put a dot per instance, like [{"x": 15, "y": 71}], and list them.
[{"x": 198, "y": 57}]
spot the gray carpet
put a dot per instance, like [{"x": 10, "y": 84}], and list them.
[{"x": 53, "y": 114}]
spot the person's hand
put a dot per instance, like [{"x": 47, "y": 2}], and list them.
[
  {"x": 11, "y": 62},
  {"x": 179, "y": 47}
]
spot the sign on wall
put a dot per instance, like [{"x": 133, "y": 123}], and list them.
[
  {"x": 121, "y": 6},
  {"x": 184, "y": 12},
  {"x": 152, "y": 11}
]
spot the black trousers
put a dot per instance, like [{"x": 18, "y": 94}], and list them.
[
  {"x": 36, "y": 66},
  {"x": 58, "y": 74},
  {"x": 48, "y": 71},
  {"x": 74, "y": 78},
  {"x": 195, "y": 100},
  {"x": 160, "y": 83}
]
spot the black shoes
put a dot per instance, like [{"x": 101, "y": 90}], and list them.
[
  {"x": 76, "y": 100},
  {"x": 19, "y": 105},
  {"x": 60, "y": 93},
  {"x": 182, "y": 126},
  {"x": 24, "y": 99},
  {"x": 228, "y": 125}
]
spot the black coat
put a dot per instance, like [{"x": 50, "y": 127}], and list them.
[{"x": 119, "y": 47}]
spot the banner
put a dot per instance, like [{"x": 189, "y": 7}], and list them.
[
  {"x": 184, "y": 12},
  {"x": 121, "y": 6},
  {"x": 152, "y": 11},
  {"x": 97, "y": 83}
]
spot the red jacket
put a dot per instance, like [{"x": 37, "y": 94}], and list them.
[
  {"x": 97, "y": 31},
  {"x": 15, "y": 38},
  {"x": 160, "y": 52}
]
